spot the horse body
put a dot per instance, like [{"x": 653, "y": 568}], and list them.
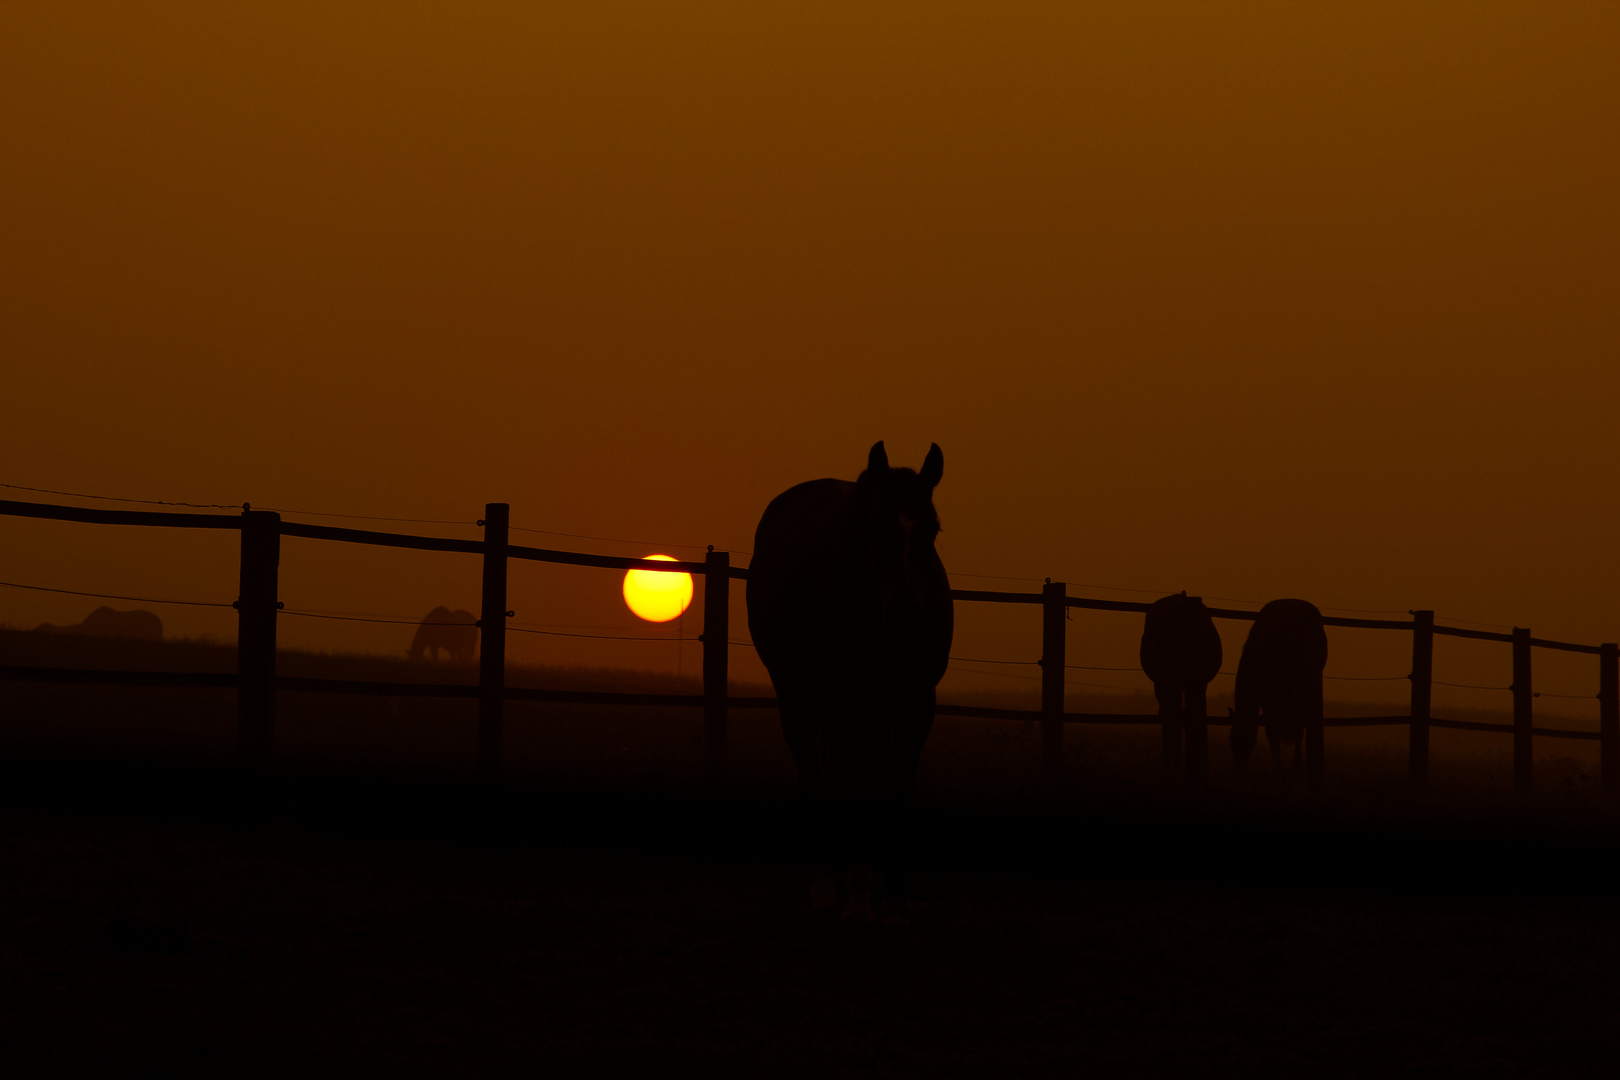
[
  {"x": 140, "y": 624},
  {"x": 1279, "y": 680},
  {"x": 850, "y": 609},
  {"x": 455, "y": 632},
  {"x": 1181, "y": 653}
]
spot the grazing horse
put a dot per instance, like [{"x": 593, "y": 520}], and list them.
[
  {"x": 1279, "y": 681},
  {"x": 139, "y": 624},
  {"x": 1181, "y": 653},
  {"x": 850, "y": 609},
  {"x": 456, "y": 632}
]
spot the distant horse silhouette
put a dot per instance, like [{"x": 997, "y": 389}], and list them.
[
  {"x": 455, "y": 632},
  {"x": 1181, "y": 653},
  {"x": 850, "y": 609},
  {"x": 139, "y": 624},
  {"x": 1279, "y": 680}
]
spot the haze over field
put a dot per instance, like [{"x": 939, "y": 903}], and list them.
[{"x": 1253, "y": 300}]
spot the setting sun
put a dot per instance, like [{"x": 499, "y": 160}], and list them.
[{"x": 658, "y": 596}]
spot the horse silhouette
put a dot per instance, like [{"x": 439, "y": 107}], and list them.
[
  {"x": 139, "y": 624},
  {"x": 1279, "y": 681},
  {"x": 455, "y": 632},
  {"x": 850, "y": 609},
  {"x": 1181, "y": 653}
]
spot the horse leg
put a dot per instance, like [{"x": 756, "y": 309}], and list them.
[
  {"x": 1243, "y": 735},
  {"x": 1195, "y": 729},
  {"x": 846, "y": 811},
  {"x": 1170, "y": 722},
  {"x": 904, "y": 754},
  {"x": 805, "y": 743}
]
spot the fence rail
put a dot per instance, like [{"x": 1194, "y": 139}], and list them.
[{"x": 257, "y": 684}]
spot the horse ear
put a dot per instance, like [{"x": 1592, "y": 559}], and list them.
[
  {"x": 877, "y": 459},
  {"x": 933, "y": 466}
]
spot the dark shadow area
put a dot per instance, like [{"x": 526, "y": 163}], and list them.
[
  {"x": 371, "y": 908},
  {"x": 429, "y": 927}
]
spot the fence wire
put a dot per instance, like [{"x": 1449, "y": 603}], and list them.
[
  {"x": 622, "y": 540},
  {"x": 368, "y": 517},
  {"x": 115, "y": 596},
  {"x": 682, "y": 547},
  {"x": 598, "y": 637},
  {"x": 363, "y": 618},
  {"x": 510, "y": 629},
  {"x": 976, "y": 660},
  {"x": 114, "y": 498}
]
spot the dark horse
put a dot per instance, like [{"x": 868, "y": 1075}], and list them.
[
  {"x": 1279, "y": 681},
  {"x": 105, "y": 622},
  {"x": 452, "y": 632},
  {"x": 850, "y": 608},
  {"x": 1181, "y": 653}
]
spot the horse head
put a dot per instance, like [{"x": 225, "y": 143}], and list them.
[
  {"x": 894, "y": 508},
  {"x": 895, "y": 526}
]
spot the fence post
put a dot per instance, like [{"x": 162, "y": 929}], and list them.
[
  {"x": 256, "y": 639},
  {"x": 716, "y": 654},
  {"x": 1054, "y": 613},
  {"x": 1522, "y": 752},
  {"x": 1609, "y": 715},
  {"x": 1422, "y": 690},
  {"x": 492, "y": 641}
]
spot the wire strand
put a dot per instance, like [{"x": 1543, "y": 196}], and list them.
[
  {"x": 634, "y": 543},
  {"x": 114, "y": 498},
  {"x": 365, "y": 619},
  {"x": 621, "y": 540},
  {"x": 976, "y": 660},
  {"x": 1204, "y": 596},
  {"x": 597, "y": 637},
  {"x": 369, "y": 517},
  {"x": 1230, "y": 674},
  {"x": 998, "y": 674},
  {"x": 115, "y": 596},
  {"x": 991, "y": 577}
]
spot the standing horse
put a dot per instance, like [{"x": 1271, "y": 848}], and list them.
[
  {"x": 1181, "y": 653},
  {"x": 140, "y": 624},
  {"x": 850, "y": 608},
  {"x": 1279, "y": 681},
  {"x": 453, "y": 632}
]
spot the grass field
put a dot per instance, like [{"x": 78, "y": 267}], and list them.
[{"x": 375, "y": 912}]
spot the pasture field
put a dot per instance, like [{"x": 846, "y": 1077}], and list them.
[
  {"x": 608, "y": 908},
  {"x": 645, "y": 749}
]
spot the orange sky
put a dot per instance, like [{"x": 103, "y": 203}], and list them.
[{"x": 1255, "y": 300}]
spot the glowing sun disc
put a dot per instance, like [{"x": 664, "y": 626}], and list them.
[{"x": 658, "y": 595}]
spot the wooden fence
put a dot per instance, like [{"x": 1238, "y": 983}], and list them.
[{"x": 257, "y": 684}]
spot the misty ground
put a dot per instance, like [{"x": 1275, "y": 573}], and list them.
[{"x": 374, "y": 911}]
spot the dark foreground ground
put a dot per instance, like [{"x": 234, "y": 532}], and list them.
[{"x": 413, "y": 927}]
